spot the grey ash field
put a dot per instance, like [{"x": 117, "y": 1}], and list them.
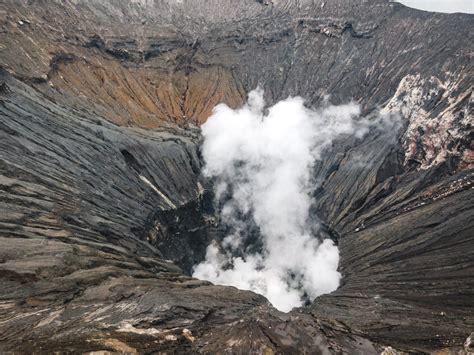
[{"x": 100, "y": 104}]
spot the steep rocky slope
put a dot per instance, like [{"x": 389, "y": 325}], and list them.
[{"x": 101, "y": 192}]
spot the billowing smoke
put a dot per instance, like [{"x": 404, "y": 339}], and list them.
[{"x": 261, "y": 161}]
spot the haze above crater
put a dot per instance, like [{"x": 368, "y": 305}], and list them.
[{"x": 448, "y": 6}]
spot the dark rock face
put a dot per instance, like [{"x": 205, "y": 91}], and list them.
[{"x": 100, "y": 189}]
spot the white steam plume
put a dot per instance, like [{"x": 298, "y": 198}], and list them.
[{"x": 262, "y": 165}]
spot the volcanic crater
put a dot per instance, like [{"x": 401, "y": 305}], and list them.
[{"x": 105, "y": 211}]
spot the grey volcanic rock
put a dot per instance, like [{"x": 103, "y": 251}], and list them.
[{"x": 103, "y": 210}]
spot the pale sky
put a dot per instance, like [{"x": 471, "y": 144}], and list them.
[{"x": 441, "y": 5}]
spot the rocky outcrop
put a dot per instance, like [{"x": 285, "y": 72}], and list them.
[{"x": 104, "y": 211}]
